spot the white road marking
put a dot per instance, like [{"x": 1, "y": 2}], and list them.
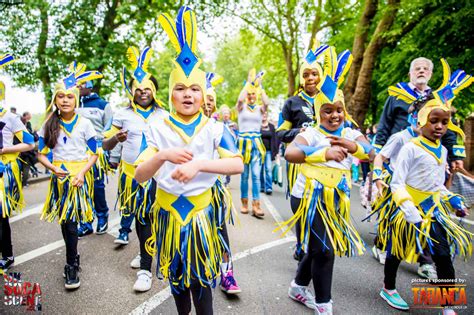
[
  {"x": 38, "y": 252},
  {"x": 158, "y": 299},
  {"x": 26, "y": 213},
  {"x": 275, "y": 214},
  {"x": 461, "y": 220}
]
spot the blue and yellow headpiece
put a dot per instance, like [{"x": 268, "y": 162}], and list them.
[
  {"x": 182, "y": 34},
  {"x": 310, "y": 60},
  {"x": 4, "y": 60},
  {"x": 335, "y": 68},
  {"x": 141, "y": 77},
  {"x": 77, "y": 75},
  {"x": 443, "y": 97},
  {"x": 213, "y": 80}
]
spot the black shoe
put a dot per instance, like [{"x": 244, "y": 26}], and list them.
[
  {"x": 269, "y": 192},
  {"x": 77, "y": 263},
  {"x": 6, "y": 263},
  {"x": 72, "y": 277}
]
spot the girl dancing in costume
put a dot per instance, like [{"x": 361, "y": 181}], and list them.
[
  {"x": 128, "y": 127},
  {"x": 11, "y": 192},
  {"x": 181, "y": 156},
  {"x": 250, "y": 140},
  {"x": 421, "y": 221},
  {"x": 71, "y": 139},
  {"x": 320, "y": 195},
  {"x": 298, "y": 113}
]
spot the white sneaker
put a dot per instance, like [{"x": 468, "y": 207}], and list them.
[
  {"x": 427, "y": 271},
  {"x": 301, "y": 294},
  {"x": 324, "y": 308},
  {"x": 143, "y": 282},
  {"x": 135, "y": 263}
]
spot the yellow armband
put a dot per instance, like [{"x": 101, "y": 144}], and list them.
[
  {"x": 401, "y": 195},
  {"x": 317, "y": 157},
  {"x": 377, "y": 173},
  {"x": 360, "y": 152}
]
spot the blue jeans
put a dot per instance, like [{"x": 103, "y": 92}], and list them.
[
  {"x": 126, "y": 223},
  {"x": 100, "y": 203},
  {"x": 266, "y": 178},
  {"x": 254, "y": 166}
]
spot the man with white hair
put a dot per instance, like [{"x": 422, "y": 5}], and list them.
[{"x": 394, "y": 117}]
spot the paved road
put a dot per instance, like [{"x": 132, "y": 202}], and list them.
[{"x": 263, "y": 266}]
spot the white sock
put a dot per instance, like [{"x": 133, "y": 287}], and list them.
[
  {"x": 391, "y": 291},
  {"x": 224, "y": 267},
  {"x": 293, "y": 284}
]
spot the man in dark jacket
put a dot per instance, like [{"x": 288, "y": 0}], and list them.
[
  {"x": 99, "y": 112},
  {"x": 395, "y": 112}
]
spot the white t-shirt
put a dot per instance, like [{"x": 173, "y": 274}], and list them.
[
  {"x": 13, "y": 124},
  {"x": 391, "y": 149},
  {"x": 72, "y": 145},
  {"x": 128, "y": 119},
  {"x": 315, "y": 137},
  {"x": 203, "y": 145},
  {"x": 418, "y": 169}
]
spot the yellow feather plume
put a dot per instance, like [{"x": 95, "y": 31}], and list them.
[
  {"x": 446, "y": 72},
  {"x": 330, "y": 62},
  {"x": 133, "y": 54},
  {"x": 147, "y": 59},
  {"x": 191, "y": 29},
  {"x": 168, "y": 24}
]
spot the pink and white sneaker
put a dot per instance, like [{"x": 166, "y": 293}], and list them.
[
  {"x": 228, "y": 283},
  {"x": 302, "y": 294}
]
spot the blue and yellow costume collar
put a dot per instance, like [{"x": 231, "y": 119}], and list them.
[
  {"x": 445, "y": 94},
  {"x": 141, "y": 77},
  {"x": 69, "y": 85},
  {"x": 339, "y": 132},
  {"x": 187, "y": 129},
  {"x": 336, "y": 67},
  {"x": 310, "y": 60},
  {"x": 435, "y": 149},
  {"x": 145, "y": 113},
  {"x": 68, "y": 125}
]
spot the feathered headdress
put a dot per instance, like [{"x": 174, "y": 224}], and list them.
[
  {"x": 252, "y": 85},
  {"x": 4, "y": 60},
  {"x": 335, "y": 69},
  {"x": 182, "y": 34},
  {"x": 213, "y": 80},
  {"x": 443, "y": 97},
  {"x": 77, "y": 75},
  {"x": 139, "y": 72},
  {"x": 310, "y": 60}
]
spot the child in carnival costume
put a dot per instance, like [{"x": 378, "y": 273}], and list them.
[
  {"x": 181, "y": 156},
  {"x": 222, "y": 195},
  {"x": 11, "y": 192},
  {"x": 382, "y": 174},
  {"x": 421, "y": 221},
  {"x": 71, "y": 140},
  {"x": 129, "y": 126},
  {"x": 250, "y": 140},
  {"x": 212, "y": 80},
  {"x": 321, "y": 194},
  {"x": 298, "y": 113}
]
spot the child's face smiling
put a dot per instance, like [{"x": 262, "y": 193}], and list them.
[
  {"x": 65, "y": 102},
  {"x": 437, "y": 125},
  {"x": 332, "y": 116},
  {"x": 187, "y": 100}
]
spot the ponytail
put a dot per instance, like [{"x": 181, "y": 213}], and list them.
[{"x": 52, "y": 129}]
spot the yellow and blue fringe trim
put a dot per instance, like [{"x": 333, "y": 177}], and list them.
[
  {"x": 187, "y": 239},
  {"x": 248, "y": 141},
  {"x": 10, "y": 185},
  {"x": 327, "y": 195},
  {"x": 134, "y": 198},
  {"x": 292, "y": 170},
  {"x": 102, "y": 167},
  {"x": 407, "y": 241},
  {"x": 66, "y": 202}
]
